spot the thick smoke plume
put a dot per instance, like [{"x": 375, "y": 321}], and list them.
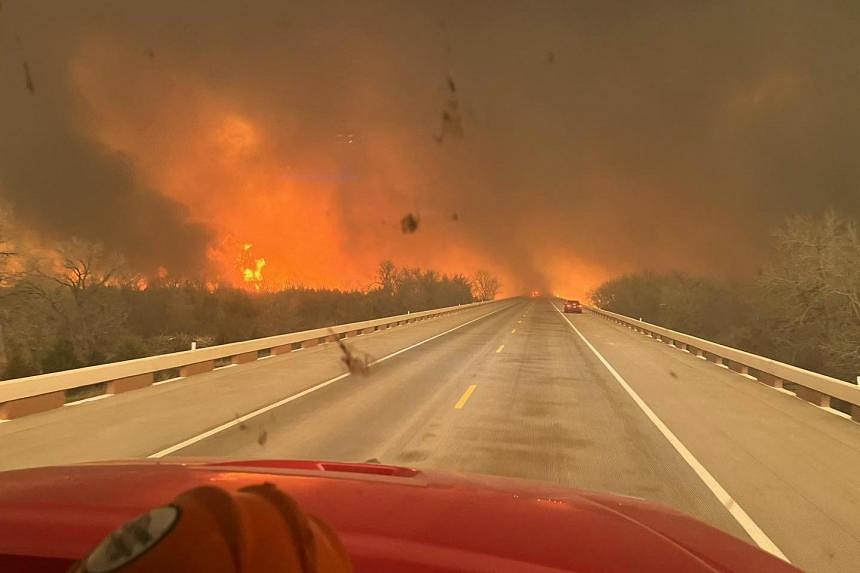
[{"x": 555, "y": 143}]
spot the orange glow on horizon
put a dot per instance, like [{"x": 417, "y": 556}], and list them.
[{"x": 318, "y": 224}]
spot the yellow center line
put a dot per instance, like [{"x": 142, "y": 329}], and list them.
[
  {"x": 499, "y": 349},
  {"x": 462, "y": 401},
  {"x": 513, "y": 331}
]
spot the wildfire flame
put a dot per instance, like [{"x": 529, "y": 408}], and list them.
[{"x": 252, "y": 269}]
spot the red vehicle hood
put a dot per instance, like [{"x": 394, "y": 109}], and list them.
[{"x": 389, "y": 518}]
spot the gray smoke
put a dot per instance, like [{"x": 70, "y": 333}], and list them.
[
  {"x": 624, "y": 135},
  {"x": 58, "y": 180}
]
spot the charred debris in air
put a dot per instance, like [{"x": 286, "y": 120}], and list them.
[
  {"x": 452, "y": 124},
  {"x": 28, "y": 77},
  {"x": 409, "y": 223}
]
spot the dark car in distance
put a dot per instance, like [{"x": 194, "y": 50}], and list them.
[{"x": 573, "y": 306}]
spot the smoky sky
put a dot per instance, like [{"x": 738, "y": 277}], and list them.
[
  {"x": 57, "y": 178},
  {"x": 621, "y": 136}
]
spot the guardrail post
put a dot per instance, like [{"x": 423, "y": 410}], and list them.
[
  {"x": 31, "y": 405},
  {"x": 197, "y": 368},
  {"x": 769, "y": 379},
  {"x": 244, "y": 358},
  {"x": 813, "y": 396},
  {"x": 121, "y": 385}
]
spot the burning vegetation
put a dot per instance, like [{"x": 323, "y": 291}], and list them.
[
  {"x": 251, "y": 267},
  {"x": 79, "y": 305}
]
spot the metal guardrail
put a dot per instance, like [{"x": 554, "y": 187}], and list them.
[
  {"x": 810, "y": 386},
  {"x": 23, "y": 396}
]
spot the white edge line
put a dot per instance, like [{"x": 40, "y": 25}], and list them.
[
  {"x": 835, "y": 411},
  {"x": 288, "y": 399},
  {"x": 784, "y": 391},
  {"x": 85, "y": 400},
  {"x": 742, "y": 517},
  {"x": 168, "y": 380}
]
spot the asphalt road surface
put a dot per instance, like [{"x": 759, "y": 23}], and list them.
[{"x": 512, "y": 389}]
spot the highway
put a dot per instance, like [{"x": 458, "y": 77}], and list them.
[{"x": 514, "y": 389}]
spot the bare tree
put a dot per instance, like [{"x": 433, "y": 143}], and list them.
[
  {"x": 8, "y": 251},
  {"x": 387, "y": 277},
  {"x": 812, "y": 291},
  {"x": 76, "y": 283},
  {"x": 485, "y": 285},
  {"x": 87, "y": 266}
]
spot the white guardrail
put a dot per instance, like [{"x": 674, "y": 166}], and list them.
[
  {"x": 23, "y": 396},
  {"x": 810, "y": 386}
]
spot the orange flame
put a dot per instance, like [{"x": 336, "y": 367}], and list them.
[{"x": 252, "y": 269}]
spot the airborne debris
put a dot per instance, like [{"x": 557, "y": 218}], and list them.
[
  {"x": 150, "y": 52},
  {"x": 263, "y": 437},
  {"x": 455, "y": 216},
  {"x": 409, "y": 223},
  {"x": 550, "y": 58},
  {"x": 672, "y": 374},
  {"x": 30, "y": 87},
  {"x": 452, "y": 125}
]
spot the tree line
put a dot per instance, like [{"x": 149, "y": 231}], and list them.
[
  {"x": 79, "y": 306},
  {"x": 803, "y": 307}
]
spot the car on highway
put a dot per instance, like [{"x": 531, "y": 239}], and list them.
[
  {"x": 384, "y": 518},
  {"x": 573, "y": 306}
]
